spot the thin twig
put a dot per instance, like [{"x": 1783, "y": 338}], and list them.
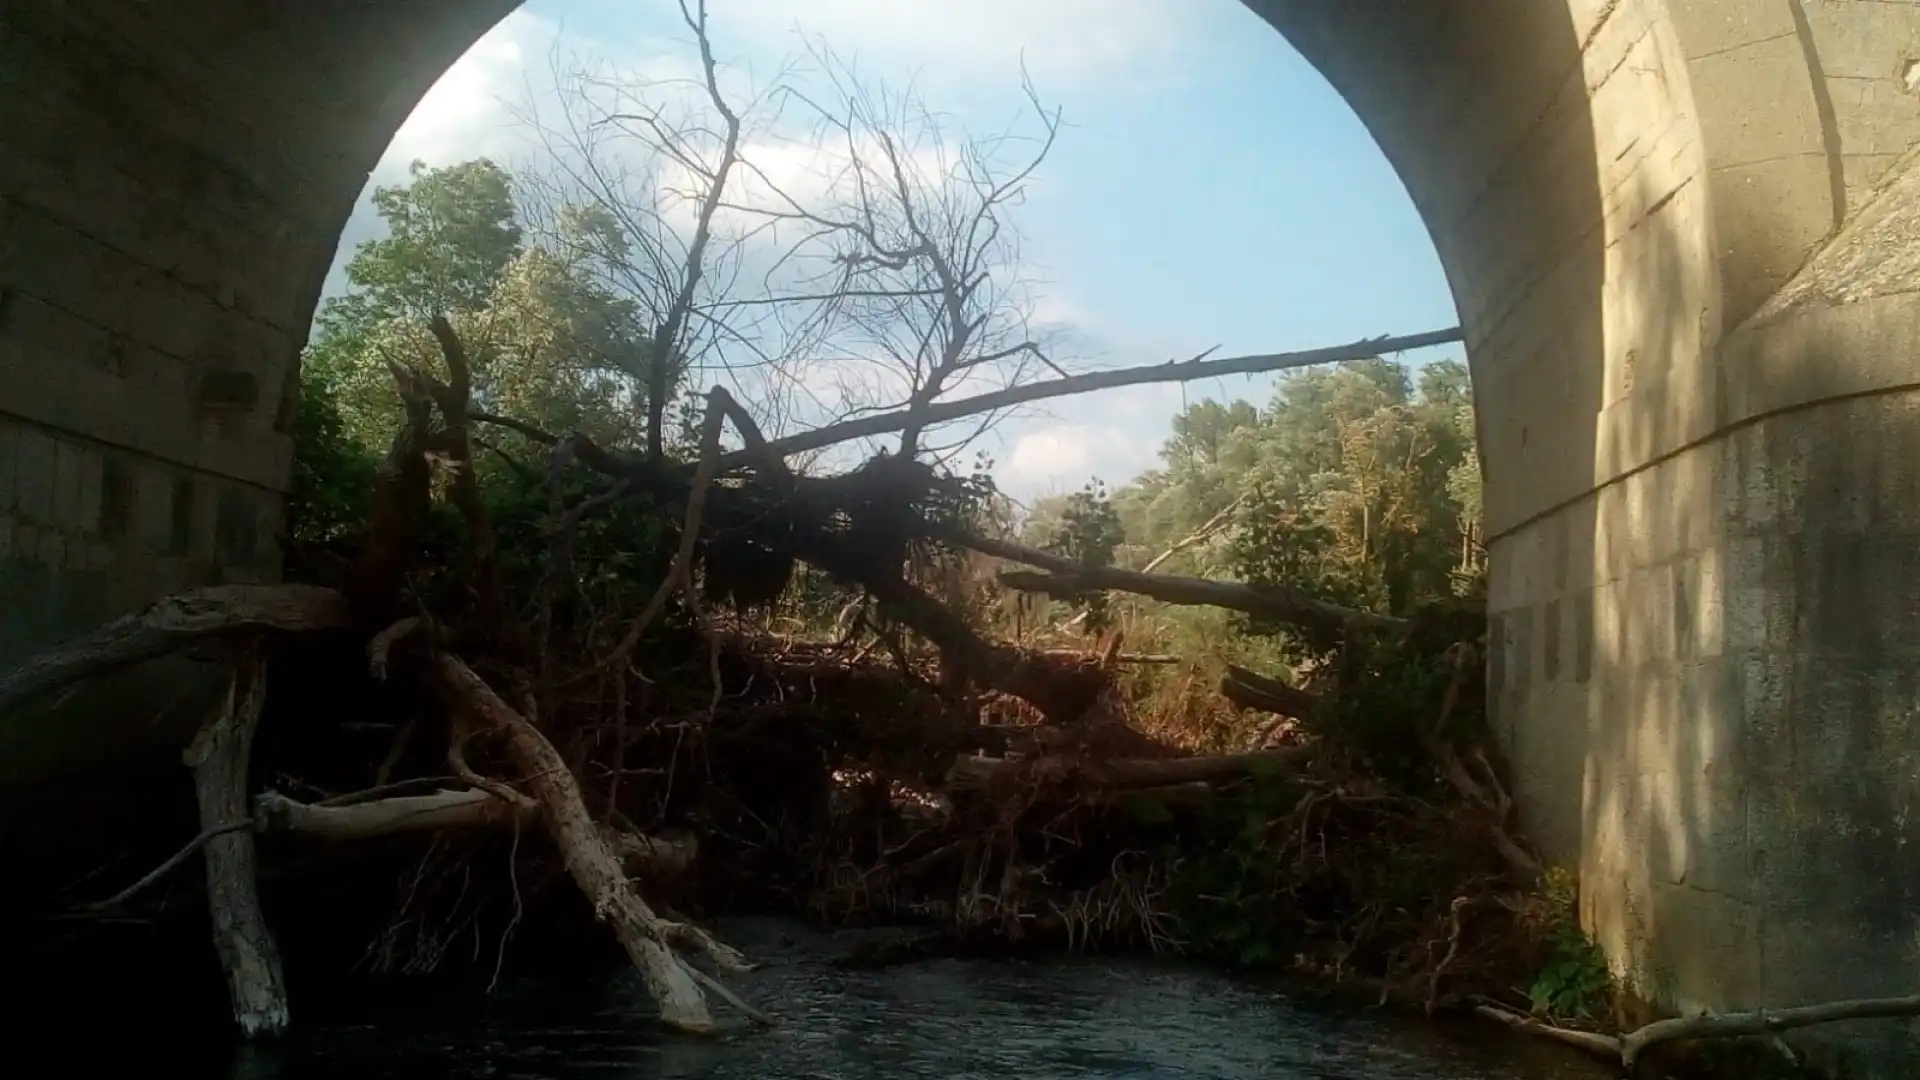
[{"x": 173, "y": 862}]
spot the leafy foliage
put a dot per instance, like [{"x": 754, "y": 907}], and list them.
[
  {"x": 1084, "y": 527},
  {"x": 1357, "y": 483},
  {"x": 332, "y": 475},
  {"x": 1573, "y": 982},
  {"x": 548, "y": 343}
]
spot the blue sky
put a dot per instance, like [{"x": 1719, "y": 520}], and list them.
[{"x": 1210, "y": 189}]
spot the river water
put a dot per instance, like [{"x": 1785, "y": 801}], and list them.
[{"x": 1058, "y": 1019}]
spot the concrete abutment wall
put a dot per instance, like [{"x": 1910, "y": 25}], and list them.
[{"x": 1700, "y": 446}]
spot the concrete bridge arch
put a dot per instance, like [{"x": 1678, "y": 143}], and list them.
[{"x": 1677, "y": 232}]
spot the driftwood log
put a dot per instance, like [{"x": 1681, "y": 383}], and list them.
[
  {"x": 639, "y": 855},
  {"x": 218, "y": 757},
  {"x": 274, "y": 812},
  {"x": 1198, "y": 368},
  {"x": 1629, "y": 1048},
  {"x": 648, "y": 939},
  {"x": 170, "y": 625}
]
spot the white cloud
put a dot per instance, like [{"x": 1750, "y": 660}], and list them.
[
  {"x": 472, "y": 110},
  {"x": 493, "y": 100},
  {"x": 469, "y": 112},
  {"x": 479, "y": 107},
  {"x": 1064, "y": 456},
  {"x": 1062, "y": 42}
]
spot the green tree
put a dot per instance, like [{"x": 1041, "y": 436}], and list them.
[
  {"x": 1358, "y": 482},
  {"x": 450, "y": 234},
  {"x": 547, "y": 341}
]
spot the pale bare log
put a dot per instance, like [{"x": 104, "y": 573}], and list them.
[
  {"x": 595, "y": 869},
  {"x": 974, "y": 773},
  {"x": 639, "y": 855},
  {"x": 1593, "y": 1042},
  {"x": 172, "y": 624},
  {"x": 218, "y": 757},
  {"x": 945, "y": 411},
  {"x": 474, "y": 809},
  {"x": 1630, "y": 1047}
]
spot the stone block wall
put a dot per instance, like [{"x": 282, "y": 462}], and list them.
[
  {"x": 89, "y": 531},
  {"x": 84, "y": 524},
  {"x": 157, "y": 268},
  {"x": 1720, "y": 653}
]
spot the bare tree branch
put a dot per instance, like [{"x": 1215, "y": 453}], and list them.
[
  {"x": 1069, "y": 578},
  {"x": 1629, "y": 1048},
  {"x": 941, "y": 412}
]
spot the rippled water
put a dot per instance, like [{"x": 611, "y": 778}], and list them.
[{"x": 1049, "y": 1020}]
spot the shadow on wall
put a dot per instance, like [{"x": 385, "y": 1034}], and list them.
[
  {"x": 1744, "y": 652},
  {"x": 1703, "y": 604}
]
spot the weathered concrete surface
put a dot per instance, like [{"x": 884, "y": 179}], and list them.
[{"x": 1703, "y": 536}]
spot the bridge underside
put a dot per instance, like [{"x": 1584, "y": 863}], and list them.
[{"x": 1701, "y": 440}]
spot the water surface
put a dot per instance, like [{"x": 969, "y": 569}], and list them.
[{"x": 1071, "y": 1019}]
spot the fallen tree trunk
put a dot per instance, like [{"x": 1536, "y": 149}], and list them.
[
  {"x": 1118, "y": 658},
  {"x": 1251, "y": 690},
  {"x": 1198, "y": 368},
  {"x": 472, "y": 809},
  {"x": 973, "y": 773},
  {"x": 1060, "y": 688},
  {"x": 1068, "y": 578},
  {"x": 170, "y": 625},
  {"x": 647, "y": 938},
  {"x": 1630, "y": 1047},
  {"x": 274, "y": 812},
  {"x": 218, "y": 757}
]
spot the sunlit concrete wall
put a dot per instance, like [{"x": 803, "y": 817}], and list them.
[
  {"x": 1699, "y": 448},
  {"x": 1702, "y": 502}
]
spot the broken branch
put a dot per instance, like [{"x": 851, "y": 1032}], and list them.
[
  {"x": 1068, "y": 578},
  {"x": 942, "y": 412},
  {"x": 970, "y": 773},
  {"x": 646, "y": 937},
  {"x": 1629, "y": 1048},
  {"x": 219, "y": 757},
  {"x": 172, "y": 863},
  {"x": 170, "y": 625},
  {"x": 367, "y": 819},
  {"x": 1250, "y": 690}
]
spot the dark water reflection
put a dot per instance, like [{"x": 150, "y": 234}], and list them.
[{"x": 944, "y": 1019}]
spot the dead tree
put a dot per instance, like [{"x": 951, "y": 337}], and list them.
[
  {"x": 918, "y": 248},
  {"x": 218, "y": 758}
]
